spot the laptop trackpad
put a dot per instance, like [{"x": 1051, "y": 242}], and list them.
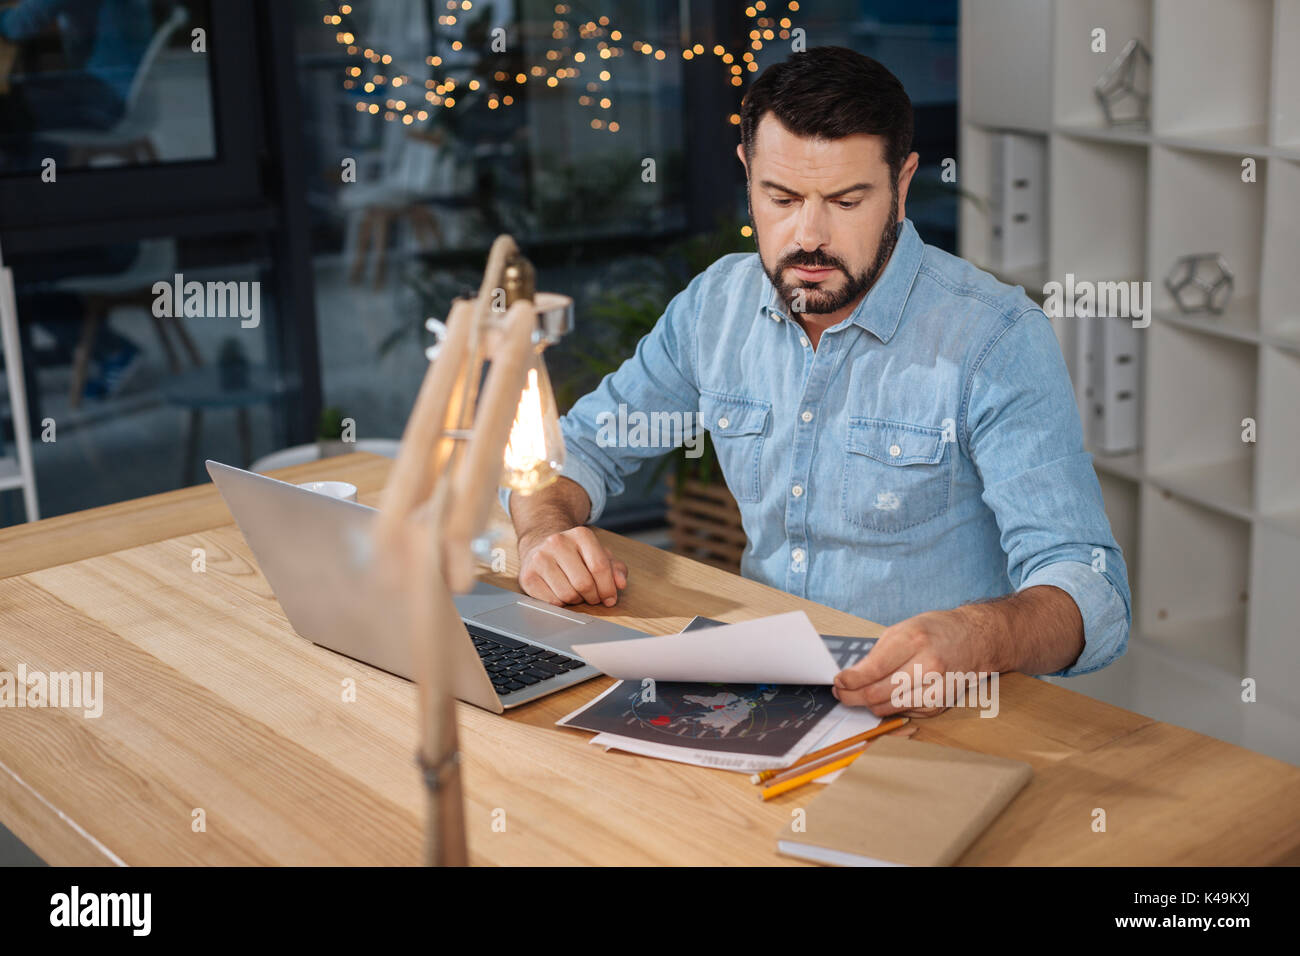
[{"x": 528, "y": 621}]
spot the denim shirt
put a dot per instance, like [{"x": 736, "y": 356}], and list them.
[{"x": 927, "y": 454}]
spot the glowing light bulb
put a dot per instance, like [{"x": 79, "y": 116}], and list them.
[{"x": 534, "y": 455}]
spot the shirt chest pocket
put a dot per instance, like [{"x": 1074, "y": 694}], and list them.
[
  {"x": 895, "y": 475},
  {"x": 738, "y": 427}
]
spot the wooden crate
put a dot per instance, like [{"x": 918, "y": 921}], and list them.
[{"x": 704, "y": 523}]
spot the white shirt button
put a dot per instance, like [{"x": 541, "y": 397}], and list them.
[
  {"x": 894, "y": 451},
  {"x": 776, "y": 317},
  {"x": 806, "y": 416},
  {"x": 797, "y": 554},
  {"x": 803, "y": 341},
  {"x": 797, "y": 490},
  {"x": 723, "y": 422}
]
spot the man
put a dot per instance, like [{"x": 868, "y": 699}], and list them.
[{"x": 897, "y": 426}]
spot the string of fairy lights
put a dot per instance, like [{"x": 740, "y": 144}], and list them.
[{"x": 581, "y": 53}]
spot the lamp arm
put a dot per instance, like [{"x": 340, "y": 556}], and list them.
[
  {"x": 477, "y": 475},
  {"x": 503, "y": 249},
  {"x": 418, "y": 460},
  {"x": 435, "y": 502}
]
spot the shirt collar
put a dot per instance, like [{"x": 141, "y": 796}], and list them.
[{"x": 881, "y": 309}]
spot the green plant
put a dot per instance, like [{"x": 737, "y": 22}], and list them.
[
  {"x": 330, "y": 425},
  {"x": 590, "y": 191},
  {"x": 434, "y": 289}
]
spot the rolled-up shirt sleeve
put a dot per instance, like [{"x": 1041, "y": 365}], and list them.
[
  {"x": 1023, "y": 434},
  {"x": 658, "y": 379}
]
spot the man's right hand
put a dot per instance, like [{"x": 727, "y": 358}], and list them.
[{"x": 569, "y": 567}]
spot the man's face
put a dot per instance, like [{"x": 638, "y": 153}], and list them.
[{"x": 824, "y": 214}]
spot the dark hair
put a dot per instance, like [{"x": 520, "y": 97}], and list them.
[{"x": 830, "y": 92}]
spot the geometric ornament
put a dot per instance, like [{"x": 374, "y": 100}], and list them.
[
  {"x": 1200, "y": 283},
  {"x": 1124, "y": 90}
]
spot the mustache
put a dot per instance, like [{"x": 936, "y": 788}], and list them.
[{"x": 811, "y": 260}]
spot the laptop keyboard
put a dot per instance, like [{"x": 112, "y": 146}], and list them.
[{"x": 513, "y": 665}]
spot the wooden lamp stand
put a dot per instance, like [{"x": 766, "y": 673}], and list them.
[{"x": 437, "y": 501}]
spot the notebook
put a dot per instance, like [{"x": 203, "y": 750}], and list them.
[{"x": 904, "y": 803}]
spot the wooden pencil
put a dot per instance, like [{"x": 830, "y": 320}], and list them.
[
  {"x": 882, "y": 728},
  {"x": 792, "y": 772},
  {"x": 795, "y": 782}
]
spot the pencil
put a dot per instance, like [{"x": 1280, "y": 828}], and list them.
[
  {"x": 792, "y": 772},
  {"x": 881, "y": 728},
  {"x": 786, "y": 786}
]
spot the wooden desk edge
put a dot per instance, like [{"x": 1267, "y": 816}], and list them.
[{"x": 77, "y": 535}]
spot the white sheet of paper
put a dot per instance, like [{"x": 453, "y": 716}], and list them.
[
  {"x": 719, "y": 760},
  {"x": 781, "y": 649},
  {"x": 855, "y": 720},
  {"x": 844, "y": 722}
]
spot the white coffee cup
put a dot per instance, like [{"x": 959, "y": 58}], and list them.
[{"x": 335, "y": 489}]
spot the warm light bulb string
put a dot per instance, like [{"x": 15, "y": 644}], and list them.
[{"x": 767, "y": 25}]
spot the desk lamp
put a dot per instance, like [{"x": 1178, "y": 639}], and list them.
[{"x": 457, "y": 446}]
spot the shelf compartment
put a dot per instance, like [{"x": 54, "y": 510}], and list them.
[
  {"x": 1223, "y": 485},
  {"x": 1239, "y": 321},
  {"x": 1278, "y": 435},
  {"x": 976, "y": 176},
  {"x": 975, "y": 212},
  {"x": 1193, "y": 565},
  {"x": 1273, "y": 649},
  {"x": 1210, "y": 67},
  {"x": 1279, "y": 296},
  {"x": 1127, "y": 465},
  {"x": 1078, "y": 68},
  {"x": 1097, "y": 224},
  {"x": 1005, "y": 32},
  {"x": 1198, "y": 389},
  {"x": 1284, "y": 121},
  {"x": 1200, "y": 205}
]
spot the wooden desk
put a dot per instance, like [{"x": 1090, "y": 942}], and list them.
[{"x": 213, "y": 703}]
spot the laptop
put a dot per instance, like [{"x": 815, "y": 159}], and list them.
[{"x": 312, "y": 549}]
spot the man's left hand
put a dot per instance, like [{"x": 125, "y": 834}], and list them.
[{"x": 940, "y": 642}]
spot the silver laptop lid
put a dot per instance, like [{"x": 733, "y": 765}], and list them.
[{"x": 314, "y": 551}]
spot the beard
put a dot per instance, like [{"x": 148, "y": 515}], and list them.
[{"x": 821, "y": 301}]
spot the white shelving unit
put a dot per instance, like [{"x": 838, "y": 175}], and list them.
[{"x": 1209, "y": 523}]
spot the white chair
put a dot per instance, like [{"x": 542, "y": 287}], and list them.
[
  {"x": 131, "y": 140},
  {"x": 16, "y": 469}
]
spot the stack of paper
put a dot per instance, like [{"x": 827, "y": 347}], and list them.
[{"x": 745, "y": 697}]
